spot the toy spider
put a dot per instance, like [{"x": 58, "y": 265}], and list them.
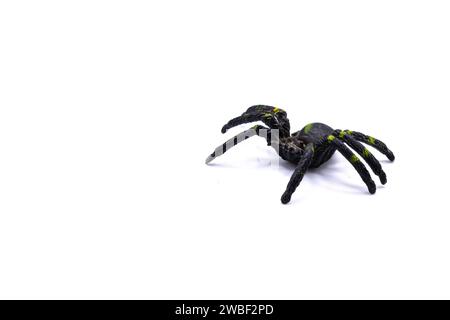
[{"x": 308, "y": 148}]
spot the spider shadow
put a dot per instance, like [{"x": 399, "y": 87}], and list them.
[
  {"x": 254, "y": 164},
  {"x": 329, "y": 175},
  {"x": 264, "y": 159},
  {"x": 332, "y": 175},
  {"x": 221, "y": 165}
]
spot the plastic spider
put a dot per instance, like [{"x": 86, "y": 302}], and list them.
[{"x": 308, "y": 148}]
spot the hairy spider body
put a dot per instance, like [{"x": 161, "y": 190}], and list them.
[
  {"x": 308, "y": 148},
  {"x": 312, "y": 133}
]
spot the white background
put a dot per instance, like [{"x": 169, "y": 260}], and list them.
[{"x": 108, "y": 110}]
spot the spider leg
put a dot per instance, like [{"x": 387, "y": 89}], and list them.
[
  {"x": 220, "y": 150},
  {"x": 377, "y": 144},
  {"x": 355, "y": 161},
  {"x": 274, "y": 118},
  {"x": 299, "y": 173},
  {"x": 245, "y": 118},
  {"x": 373, "y": 163}
]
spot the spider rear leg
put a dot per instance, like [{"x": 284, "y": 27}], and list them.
[
  {"x": 299, "y": 173},
  {"x": 377, "y": 144},
  {"x": 256, "y": 130},
  {"x": 373, "y": 163},
  {"x": 355, "y": 161}
]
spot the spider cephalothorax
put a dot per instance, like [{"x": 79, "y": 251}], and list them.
[{"x": 308, "y": 148}]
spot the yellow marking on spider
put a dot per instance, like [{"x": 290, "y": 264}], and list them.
[
  {"x": 276, "y": 109},
  {"x": 349, "y": 131},
  {"x": 331, "y": 138},
  {"x": 366, "y": 153},
  {"x": 342, "y": 134},
  {"x": 371, "y": 140},
  {"x": 308, "y": 128},
  {"x": 354, "y": 159},
  {"x": 267, "y": 115}
]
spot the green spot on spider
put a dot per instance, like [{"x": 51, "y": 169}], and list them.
[
  {"x": 366, "y": 153},
  {"x": 308, "y": 128},
  {"x": 371, "y": 140},
  {"x": 331, "y": 138},
  {"x": 342, "y": 134},
  {"x": 354, "y": 159}
]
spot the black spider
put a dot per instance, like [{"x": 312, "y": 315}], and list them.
[{"x": 308, "y": 148}]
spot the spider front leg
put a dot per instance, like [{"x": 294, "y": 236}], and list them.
[
  {"x": 299, "y": 173},
  {"x": 273, "y": 117}
]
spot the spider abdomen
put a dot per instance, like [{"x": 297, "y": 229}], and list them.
[
  {"x": 311, "y": 133},
  {"x": 314, "y": 133}
]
